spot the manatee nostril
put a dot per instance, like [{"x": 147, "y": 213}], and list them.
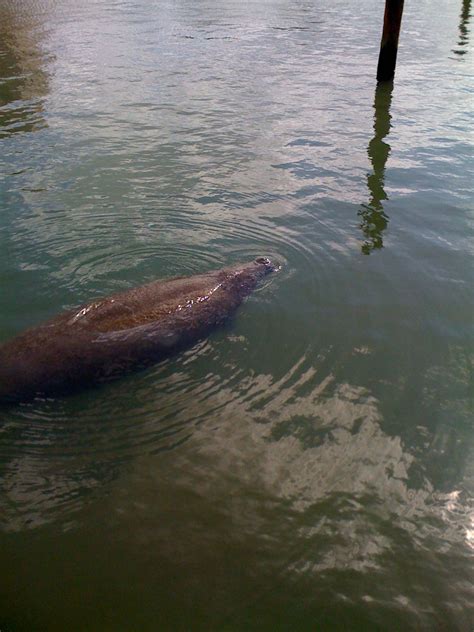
[{"x": 263, "y": 260}]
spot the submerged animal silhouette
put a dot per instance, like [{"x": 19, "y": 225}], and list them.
[{"x": 109, "y": 337}]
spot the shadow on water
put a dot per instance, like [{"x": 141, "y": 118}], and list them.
[
  {"x": 374, "y": 220},
  {"x": 463, "y": 30},
  {"x": 24, "y": 81}
]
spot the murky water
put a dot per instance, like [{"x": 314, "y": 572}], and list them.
[{"x": 310, "y": 466}]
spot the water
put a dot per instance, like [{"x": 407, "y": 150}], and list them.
[{"x": 310, "y": 466}]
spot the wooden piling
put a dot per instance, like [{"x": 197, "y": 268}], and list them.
[{"x": 389, "y": 44}]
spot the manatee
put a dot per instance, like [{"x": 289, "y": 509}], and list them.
[{"x": 109, "y": 337}]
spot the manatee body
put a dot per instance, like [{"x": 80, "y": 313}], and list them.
[{"x": 132, "y": 329}]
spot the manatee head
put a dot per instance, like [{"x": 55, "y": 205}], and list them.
[{"x": 265, "y": 264}]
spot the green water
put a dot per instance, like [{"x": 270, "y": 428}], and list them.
[{"x": 310, "y": 466}]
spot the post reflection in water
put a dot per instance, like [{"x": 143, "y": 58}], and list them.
[
  {"x": 374, "y": 220},
  {"x": 24, "y": 78},
  {"x": 463, "y": 31}
]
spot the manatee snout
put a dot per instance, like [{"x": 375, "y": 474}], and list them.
[{"x": 265, "y": 261}]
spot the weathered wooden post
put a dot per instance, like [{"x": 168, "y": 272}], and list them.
[{"x": 389, "y": 44}]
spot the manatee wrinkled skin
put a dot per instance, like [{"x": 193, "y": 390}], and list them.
[{"x": 109, "y": 337}]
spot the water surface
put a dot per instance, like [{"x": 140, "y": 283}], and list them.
[{"x": 310, "y": 466}]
